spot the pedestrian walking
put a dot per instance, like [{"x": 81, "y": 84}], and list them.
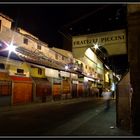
[
  {"x": 106, "y": 96},
  {"x": 113, "y": 89}
]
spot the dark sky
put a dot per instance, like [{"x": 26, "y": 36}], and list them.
[{"x": 46, "y": 20}]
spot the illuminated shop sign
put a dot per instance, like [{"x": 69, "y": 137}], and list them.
[
  {"x": 64, "y": 74},
  {"x": 114, "y": 42},
  {"x": 51, "y": 72},
  {"x": 75, "y": 82},
  {"x": 74, "y": 76},
  {"x": 108, "y": 39}
]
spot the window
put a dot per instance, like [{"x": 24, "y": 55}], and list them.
[
  {"x": 39, "y": 71},
  {"x": 56, "y": 56},
  {"x": 39, "y": 47},
  {"x": 25, "y": 41},
  {"x": 21, "y": 71},
  {"x": 62, "y": 57},
  {"x": 2, "y": 66},
  {"x": 86, "y": 66}
]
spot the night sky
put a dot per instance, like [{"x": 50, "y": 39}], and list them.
[{"x": 47, "y": 20}]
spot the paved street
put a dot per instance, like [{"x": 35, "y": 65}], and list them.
[{"x": 81, "y": 117}]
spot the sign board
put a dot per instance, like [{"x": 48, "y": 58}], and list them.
[
  {"x": 114, "y": 42},
  {"x": 74, "y": 76},
  {"x": 51, "y": 73},
  {"x": 64, "y": 74},
  {"x": 75, "y": 82}
]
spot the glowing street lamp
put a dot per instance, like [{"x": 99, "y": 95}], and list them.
[
  {"x": 96, "y": 46},
  {"x": 11, "y": 48},
  {"x": 7, "y": 47},
  {"x": 66, "y": 67}
]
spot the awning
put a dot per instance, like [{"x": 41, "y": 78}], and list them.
[
  {"x": 40, "y": 80},
  {"x": 25, "y": 79}
]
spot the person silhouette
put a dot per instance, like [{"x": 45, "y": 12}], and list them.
[{"x": 106, "y": 96}]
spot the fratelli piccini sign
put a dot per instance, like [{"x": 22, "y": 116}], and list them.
[{"x": 114, "y": 41}]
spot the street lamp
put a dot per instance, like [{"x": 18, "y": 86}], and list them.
[
  {"x": 66, "y": 67},
  {"x": 11, "y": 48},
  {"x": 96, "y": 46},
  {"x": 8, "y": 47}
]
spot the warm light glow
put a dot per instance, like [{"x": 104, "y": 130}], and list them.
[
  {"x": 106, "y": 77},
  {"x": 90, "y": 54},
  {"x": 107, "y": 67},
  {"x": 66, "y": 67},
  {"x": 119, "y": 77},
  {"x": 96, "y": 46},
  {"x": 88, "y": 74},
  {"x": 11, "y": 48},
  {"x": 86, "y": 79}
]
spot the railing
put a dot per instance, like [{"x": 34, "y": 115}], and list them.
[{"x": 38, "y": 57}]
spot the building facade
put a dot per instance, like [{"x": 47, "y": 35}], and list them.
[{"x": 28, "y": 64}]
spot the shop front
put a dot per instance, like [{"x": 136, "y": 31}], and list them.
[
  {"x": 89, "y": 86},
  {"x": 74, "y": 83},
  {"x": 66, "y": 85},
  {"x": 56, "y": 89},
  {"x": 5, "y": 89},
  {"x": 66, "y": 91},
  {"x": 55, "y": 80},
  {"x": 80, "y": 89},
  {"x": 21, "y": 90},
  {"x": 42, "y": 90}
]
